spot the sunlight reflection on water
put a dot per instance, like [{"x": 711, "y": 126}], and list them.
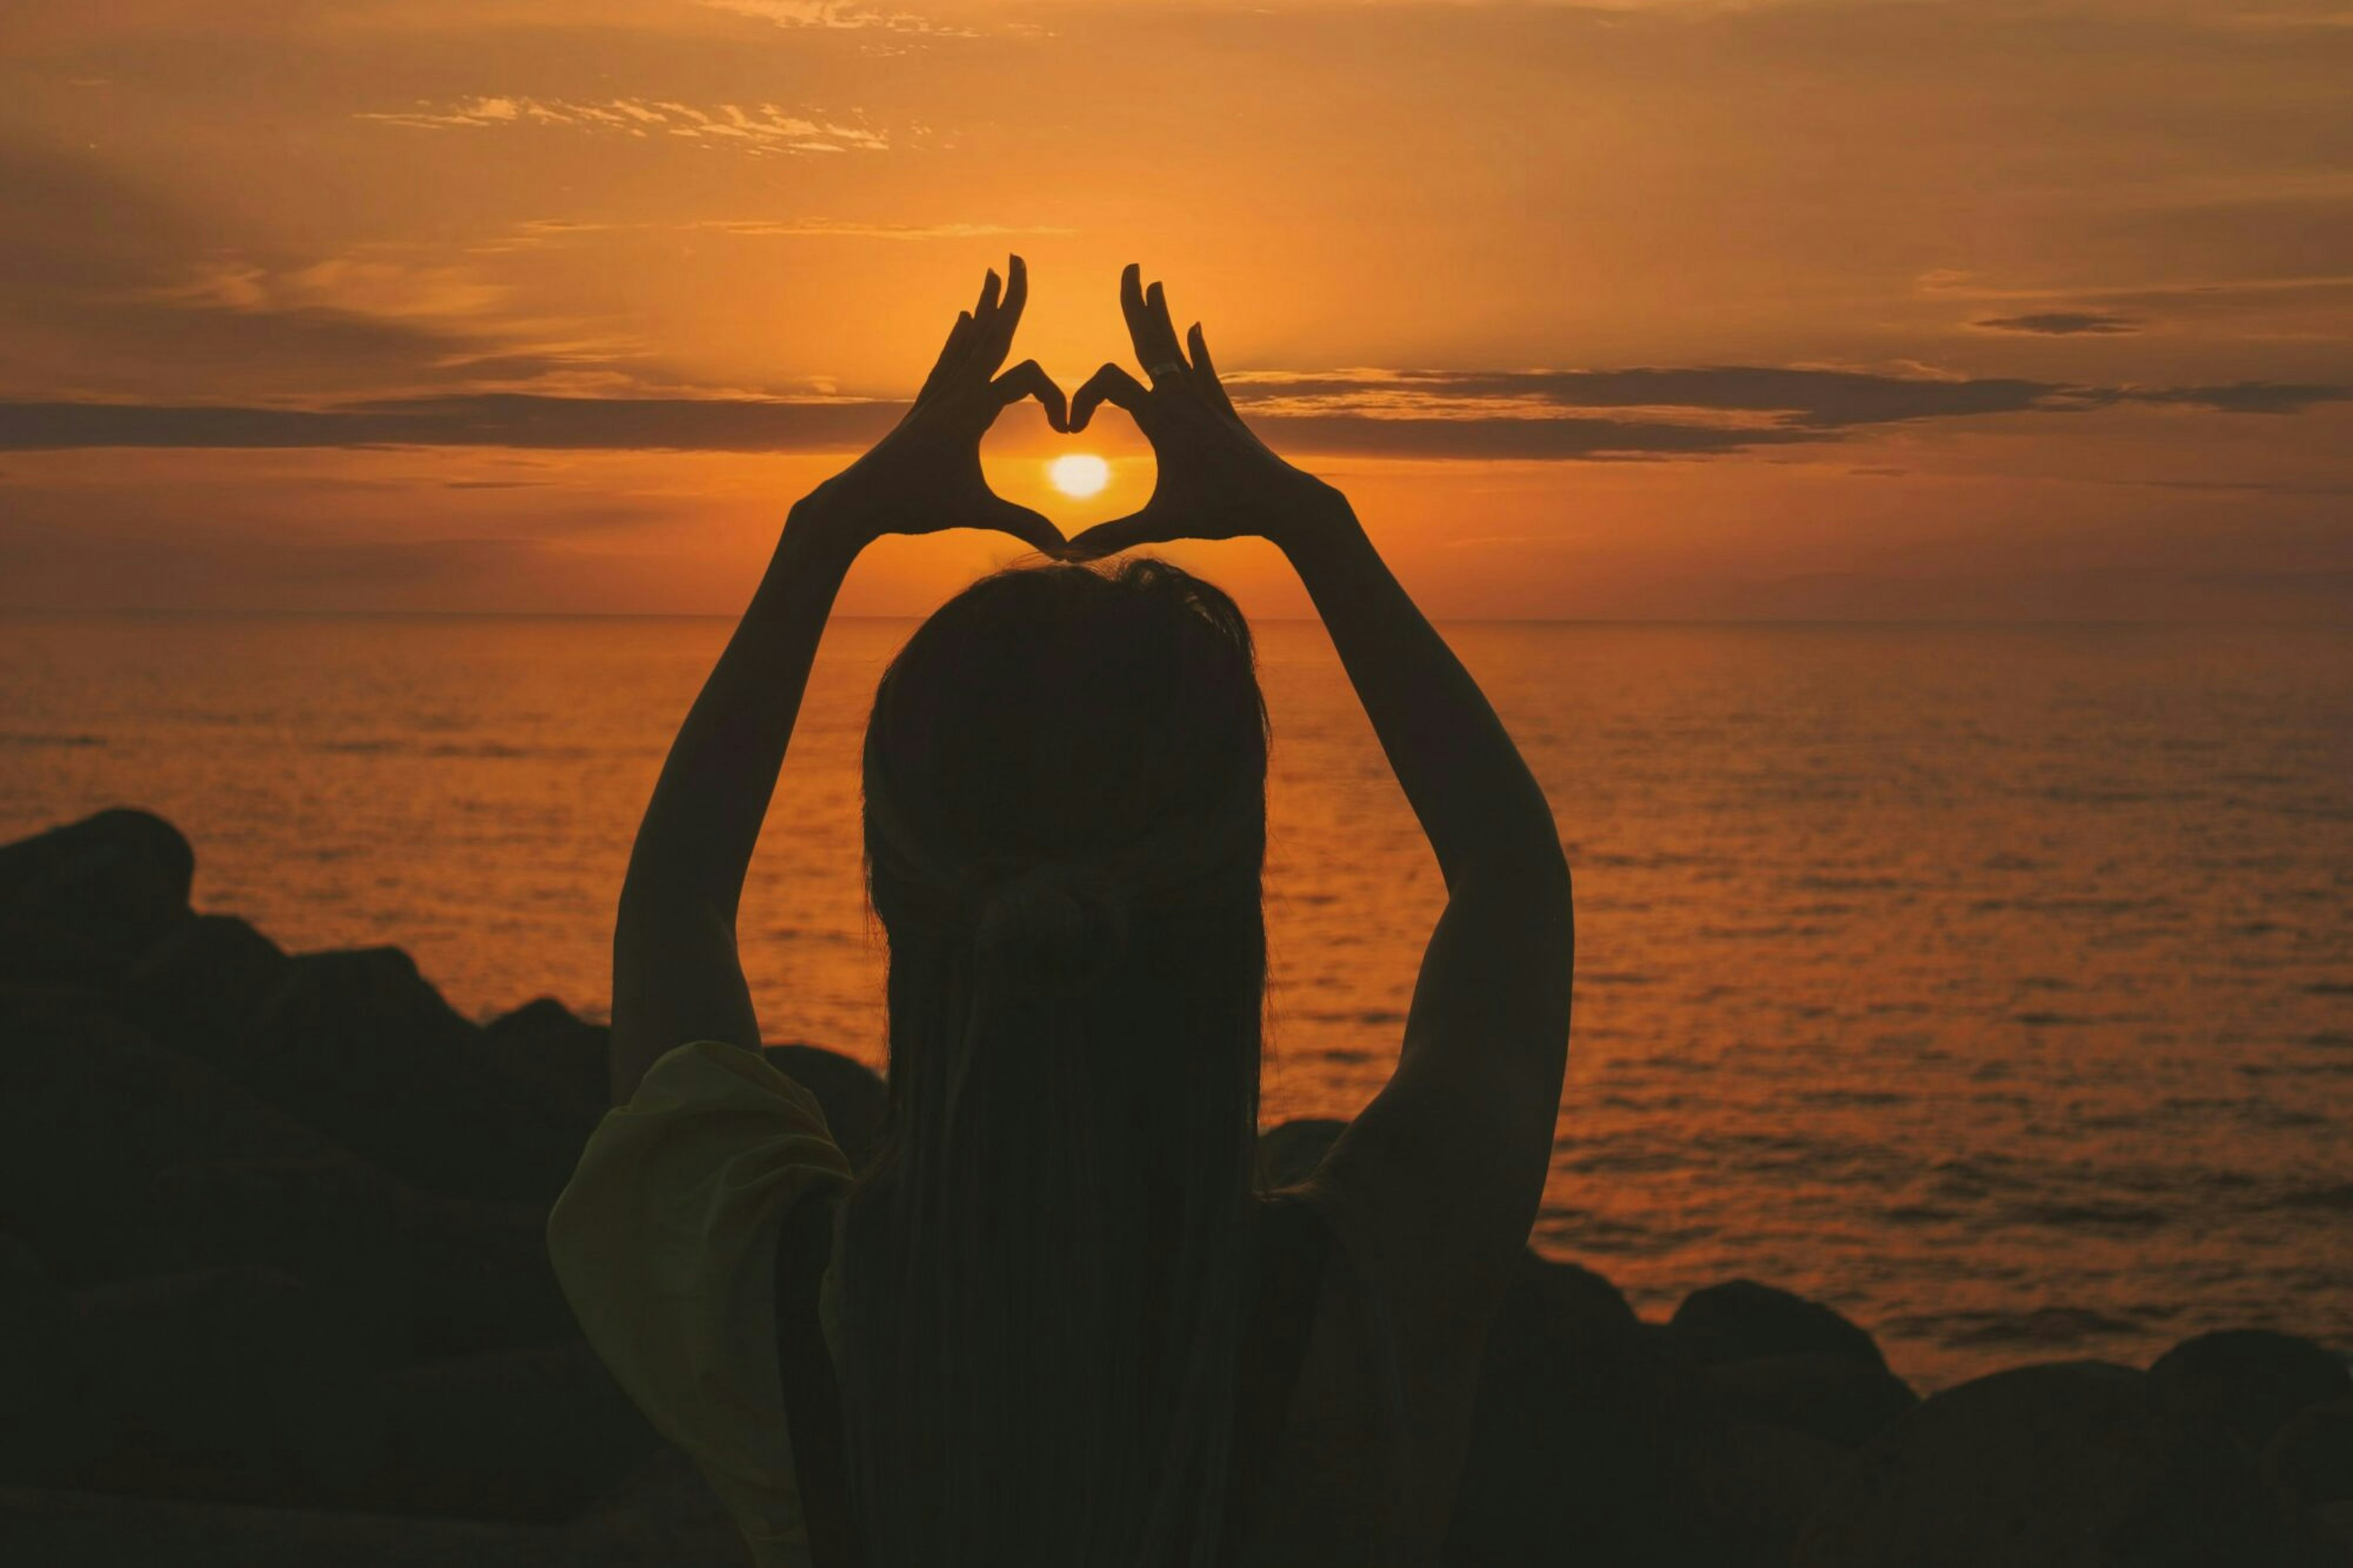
[{"x": 1990, "y": 984}]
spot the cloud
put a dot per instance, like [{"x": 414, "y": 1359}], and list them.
[
  {"x": 760, "y": 129},
  {"x": 357, "y": 285},
  {"x": 1522, "y": 416},
  {"x": 2061, "y": 323},
  {"x": 111, "y": 291},
  {"x": 2313, "y": 300},
  {"x": 2251, "y": 487},
  {"x": 1772, "y": 398},
  {"x": 2249, "y": 396},
  {"x": 538, "y": 230},
  {"x": 842, "y": 14},
  {"x": 1517, "y": 439},
  {"x": 491, "y": 419}
]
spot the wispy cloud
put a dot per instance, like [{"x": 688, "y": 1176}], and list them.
[
  {"x": 492, "y": 419},
  {"x": 842, "y": 14},
  {"x": 540, "y": 230},
  {"x": 2314, "y": 298},
  {"x": 2061, "y": 323},
  {"x": 2247, "y": 396},
  {"x": 1734, "y": 398},
  {"x": 760, "y": 129},
  {"x": 2248, "y": 487},
  {"x": 1600, "y": 415},
  {"x": 361, "y": 284}
]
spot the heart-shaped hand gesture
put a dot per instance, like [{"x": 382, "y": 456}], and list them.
[
  {"x": 925, "y": 476},
  {"x": 1217, "y": 479}
]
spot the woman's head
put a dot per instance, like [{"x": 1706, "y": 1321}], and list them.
[
  {"x": 1066, "y": 735},
  {"x": 1065, "y": 828}
]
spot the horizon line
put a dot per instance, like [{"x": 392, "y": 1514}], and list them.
[{"x": 226, "y": 614}]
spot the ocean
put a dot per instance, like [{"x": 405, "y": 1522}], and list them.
[{"x": 1991, "y": 983}]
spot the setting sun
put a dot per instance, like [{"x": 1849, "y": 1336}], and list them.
[{"x": 1079, "y": 474}]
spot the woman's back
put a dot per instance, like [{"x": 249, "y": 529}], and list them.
[
  {"x": 1325, "y": 1467},
  {"x": 1291, "y": 1281},
  {"x": 1044, "y": 1268}
]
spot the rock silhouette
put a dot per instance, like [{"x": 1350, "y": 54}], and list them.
[
  {"x": 79, "y": 902},
  {"x": 2068, "y": 1463},
  {"x": 1741, "y": 1319},
  {"x": 2312, "y": 1454},
  {"x": 274, "y": 1289},
  {"x": 2252, "y": 1381}
]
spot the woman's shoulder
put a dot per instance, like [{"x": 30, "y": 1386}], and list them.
[
  {"x": 664, "y": 1243},
  {"x": 713, "y": 1146}
]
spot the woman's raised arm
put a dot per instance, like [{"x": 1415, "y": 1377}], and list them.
[
  {"x": 1445, "y": 1170},
  {"x": 676, "y": 975}
]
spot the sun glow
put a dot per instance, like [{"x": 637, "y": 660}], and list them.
[{"x": 1079, "y": 474}]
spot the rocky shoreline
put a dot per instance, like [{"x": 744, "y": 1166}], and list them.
[{"x": 274, "y": 1289}]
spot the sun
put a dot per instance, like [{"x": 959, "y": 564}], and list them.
[{"x": 1079, "y": 474}]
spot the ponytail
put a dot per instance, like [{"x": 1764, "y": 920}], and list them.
[{"x": 1048, "y": 1259}]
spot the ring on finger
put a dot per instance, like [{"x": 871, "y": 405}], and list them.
[{"x": 1165, "y": 368}]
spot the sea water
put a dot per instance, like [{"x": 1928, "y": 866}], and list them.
[{"x": 1992, "y": 984}]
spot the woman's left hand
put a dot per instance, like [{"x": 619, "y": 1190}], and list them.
[{"x": 925, "y": 476}]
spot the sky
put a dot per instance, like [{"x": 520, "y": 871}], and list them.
[{"x": 1665, "y": 309}]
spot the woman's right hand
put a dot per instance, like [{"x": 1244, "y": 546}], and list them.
[{"x": 1216, "y": 480}]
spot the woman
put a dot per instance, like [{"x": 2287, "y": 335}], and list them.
[{"x": 1052, "y": 1321}]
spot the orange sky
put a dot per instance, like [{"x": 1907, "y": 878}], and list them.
[{"x": 1837, "y": 308}]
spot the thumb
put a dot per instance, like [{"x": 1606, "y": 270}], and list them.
[
  {"x": 1151, "y": 526},
  {"x": 1032, "y": 529}
]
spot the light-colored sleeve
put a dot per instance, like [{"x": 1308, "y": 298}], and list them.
[{"x": 665, "y": 1244}]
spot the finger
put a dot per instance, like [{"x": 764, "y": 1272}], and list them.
[
  {"x": 983, "y": 316},
  {"x": 1029, "y": 379},
  {"x": 1204, "y": 373},
  {"x": 1146, "y": 527},
  {"x": 1113, "y": 384},
  {"x": 1031, "y": 528},
  {"x": 1131, "y": 305},
  {"x": 1167, "y": 361},
  {"x": 997, "y": 339},
  {"x": 951, "y": 355}
]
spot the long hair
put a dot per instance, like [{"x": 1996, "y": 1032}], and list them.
[{"x": 1047, "y": 1260}]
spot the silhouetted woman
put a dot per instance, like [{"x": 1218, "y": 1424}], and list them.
[{"x": 1054, "y": 1321}]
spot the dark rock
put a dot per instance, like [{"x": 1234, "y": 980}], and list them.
[
  {"x": 2250, "y": 1380},
  {"x": 227, "y": 1384},
  {"x": 2062, "y": 1464},
  {"x": 90, "y": 1110},
  {"x": 359, "y": 1046},
  {"x": 200, "y": 987},
  {"x": 1755, "y": 1483},
  {"x": 561, "y": 1057},
  {"x": 406, "y": 1273},
  {"x": 1569, "y": 1294},
  {"x": 1288, "y": 1154},
  {"x": 1740, "y": 1320},
  {"x": 1833, "y": 1397},
  {"x": 2312, "y": 1452},
  {"x": 79, "y": 902},
  {"x": 339, "y": 1225},
  {"x": 119, "y": 1157},
  {"x": 1576, "y": 1435},
  {"x": 534, "y": 1435},
  {"x": 853, "y": 1097},
  {"x": 47, "y": 1423},
  {"x": 46, "y": 1529},
  {"x": 484, "y": 1282}
]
